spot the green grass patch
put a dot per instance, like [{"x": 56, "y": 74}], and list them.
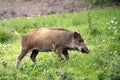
[{"x": 103, "y": 40}]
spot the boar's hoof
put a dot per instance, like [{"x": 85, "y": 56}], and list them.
[{"x": 61, "y": 59}]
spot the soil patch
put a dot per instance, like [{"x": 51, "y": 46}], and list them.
[{"x": 18, "y": 8}]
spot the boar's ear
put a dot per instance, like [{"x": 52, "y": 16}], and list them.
[{"x": 76, "y": 35}]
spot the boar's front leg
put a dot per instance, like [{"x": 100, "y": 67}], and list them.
[
  {"x": 33, "y": 55},
  {"x": 59, "y": 52},
  {"x": 65, "y": 53}
]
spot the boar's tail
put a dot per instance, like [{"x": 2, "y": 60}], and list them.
[{"x": 15, "y": 32}]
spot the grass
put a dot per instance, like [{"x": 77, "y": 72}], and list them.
[{"x": 103, "y": 40}]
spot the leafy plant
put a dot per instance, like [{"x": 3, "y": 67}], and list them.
[{"x": 93, "y": 30}]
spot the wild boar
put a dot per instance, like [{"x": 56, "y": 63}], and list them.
[{"x": 51, "y": 39}]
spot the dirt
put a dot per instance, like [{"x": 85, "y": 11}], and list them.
[{"x": 18, "y": 8}]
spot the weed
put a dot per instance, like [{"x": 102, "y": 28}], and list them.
[
  {"x": 93, "y": 30},
  {"x": 64, "y": 75}
]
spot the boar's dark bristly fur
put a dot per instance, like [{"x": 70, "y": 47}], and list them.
[{"x": 51, "y": 39}]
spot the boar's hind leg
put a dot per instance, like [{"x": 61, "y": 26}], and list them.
[
  {"x": 33, "y": 55},
  {"x": 24, "y": 51},
  {"x": 65, "y": 53}
]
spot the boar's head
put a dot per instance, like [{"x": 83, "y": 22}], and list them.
[{"x": 78, "y": 43}]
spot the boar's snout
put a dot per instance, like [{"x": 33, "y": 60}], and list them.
[{"x": 85, "y": 50}]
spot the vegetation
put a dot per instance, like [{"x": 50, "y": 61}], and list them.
[
  {"x": 104, "y": 2},
  {"x": 101, "y": 30}
]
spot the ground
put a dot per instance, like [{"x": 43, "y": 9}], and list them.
[{"x": 18, "y": 8}]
